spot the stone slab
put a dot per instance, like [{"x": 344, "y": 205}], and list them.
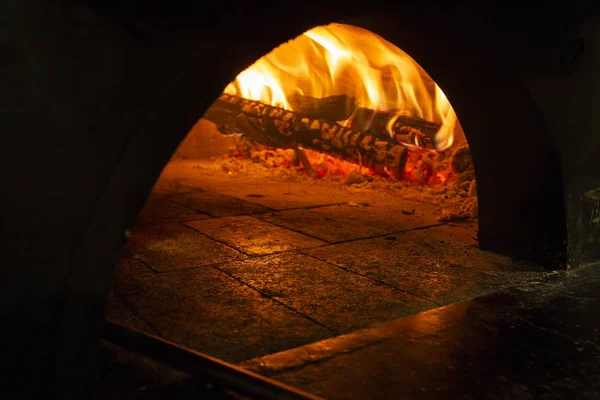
[
  {"x": 218, "y": 205},
  {"x": 422, "y": 263},
  {"x": 322, "y": 225},
  {"x": 131, "y": 276},
  {"x": 395, "y": 218},
  {"x": 166, "y": 187},
  {"x": 175, "y": 246},
  {"x": 160, "y": 210},
  {"x": 338, "y": 299},
  {"x": 519, "y": 343},
  {"x": 207, "y": 310},
  {"x": 279, "y": 195},
  {"x": 253, "y": 236}
]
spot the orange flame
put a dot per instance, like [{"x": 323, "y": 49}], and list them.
[{"x": 342, "y": 59}]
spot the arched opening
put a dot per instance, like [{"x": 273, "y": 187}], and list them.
[
  {"x": 341, "y": 104},
  {"x": 327, "y": 189},
  {"x": 70, "y": 219}
]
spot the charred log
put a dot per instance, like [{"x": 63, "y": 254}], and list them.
[
  {"x": 406, "y": 128},
  {"x": 462, "y": 160},
  {"x": 276, "y": 127},
  {"x": 332, "y": 108}
]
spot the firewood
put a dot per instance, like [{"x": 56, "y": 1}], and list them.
[
  {"x": 282, "y": 128},
  {"x": 332, "y": 108},
  {"x": 406, "y": 128},
  {"x": 461, "y": 159}
]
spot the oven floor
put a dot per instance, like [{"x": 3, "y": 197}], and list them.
[
  {"x": 536, "y": 340},
  {"x": 240, "y": 268}
]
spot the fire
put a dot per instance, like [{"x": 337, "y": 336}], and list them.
[
  {"x": 342, "y": 59},
  {"x": 425, "y": 166}
]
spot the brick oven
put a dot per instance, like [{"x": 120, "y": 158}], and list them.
[{"x": 101, "y": 105}]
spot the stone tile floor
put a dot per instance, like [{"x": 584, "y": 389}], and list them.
[
  {"x": 537, "y": 340},
  {"x": 240, "y": 268}
]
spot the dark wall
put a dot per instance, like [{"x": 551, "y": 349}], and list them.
[
  {"x": 96, "y": 98},
  {"x": 567, "y": 90}
]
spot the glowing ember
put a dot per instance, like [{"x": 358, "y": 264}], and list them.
[
  {"x": 422, "y": 167},
  {"x": 454, "y": 188},
  {"x": 425, "y": 166},
  {"x": 341, "y": 59},
  {"x": 324, "y": 165}
]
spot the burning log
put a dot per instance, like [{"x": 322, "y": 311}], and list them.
[
  {"x": 276, "y": 127},
  {"x": 333, "y": 108},
  {"x": 406, "y": 128}
]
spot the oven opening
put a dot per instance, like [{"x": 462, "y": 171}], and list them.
[{"x": 328, "y": 189}]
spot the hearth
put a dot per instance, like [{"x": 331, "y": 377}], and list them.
[{"x": 341, "y": 104}]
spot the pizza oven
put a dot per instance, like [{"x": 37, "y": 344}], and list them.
[{"x": 127, "y": 113}]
